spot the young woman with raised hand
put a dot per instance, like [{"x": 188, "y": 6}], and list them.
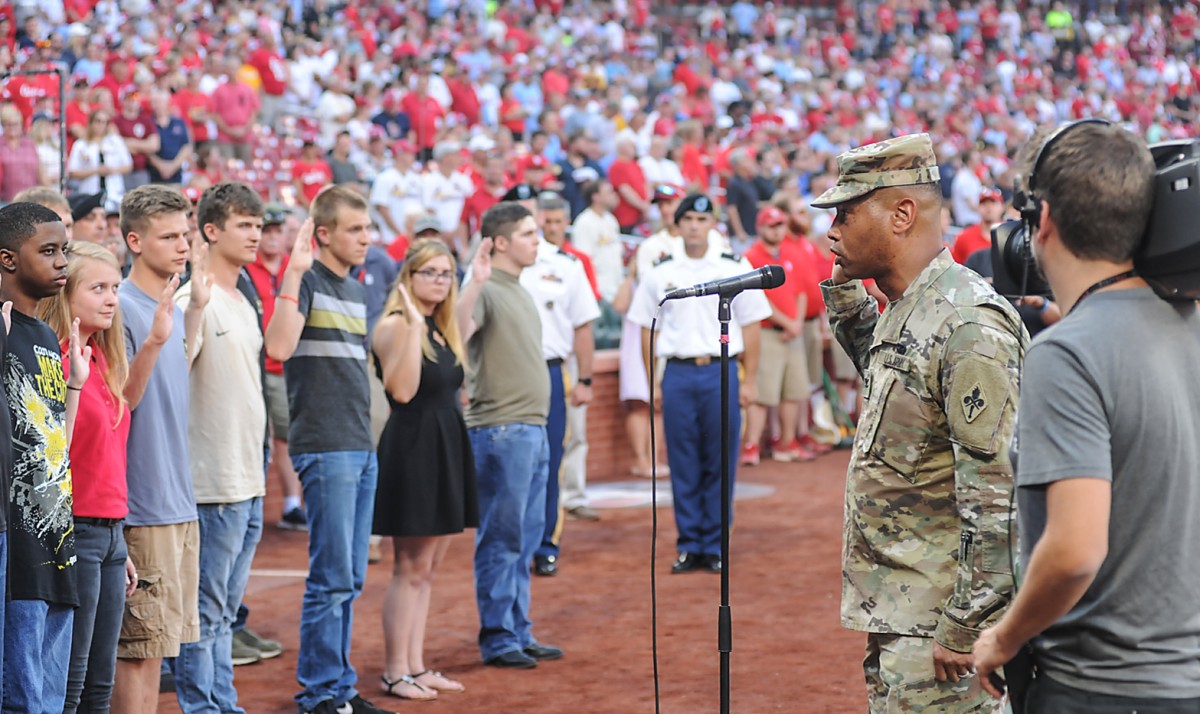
[
  {"x": 426, "y": 485},
  {"x": 86, "y": 314}
]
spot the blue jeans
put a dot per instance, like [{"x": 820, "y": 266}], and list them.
[
  {"x": 512, "y": 462},
  {"x": 100, "y": 565},
  {"x": 229, "y": 535},
  {"x": 37, "y": 647},
  {"x": 339, "y": 493}
]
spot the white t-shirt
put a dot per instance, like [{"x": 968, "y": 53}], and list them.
[
  {"x": 397, "y": 192},
  {"x": 86, "y": 155},
  {"x": 600, "y": 237},
  {"x": 965, "y": 187},
  {"x": 660, "y": 171},
  {"x": 445, "y": 196},
  {"x": 227, "y": 420}
]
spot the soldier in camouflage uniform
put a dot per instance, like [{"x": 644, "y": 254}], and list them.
[{"x": 925, "y": 557}]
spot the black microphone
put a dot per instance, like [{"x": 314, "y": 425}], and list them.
[{"x": 765, "y": 278}]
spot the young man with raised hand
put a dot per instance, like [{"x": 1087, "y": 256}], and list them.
[
  {"x": 318, "y": 332},
  {"x": 225, "y": 436},
  {"x": 161, "y": 530},
  {"x": 509, "y": 390}
]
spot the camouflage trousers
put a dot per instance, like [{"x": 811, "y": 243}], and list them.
[{"x": 900, "y": 679}]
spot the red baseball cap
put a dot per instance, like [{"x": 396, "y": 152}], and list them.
[
  {"x": 668, "y": 192},
  {"x": 192, "y": 194},
  {"x": 771, "y": 216},
  {"x": 536, "y": 161},
  {"x": 405, "y": 146},
  {"x": 991, "y": 194}
]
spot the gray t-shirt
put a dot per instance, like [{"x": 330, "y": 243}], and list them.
[
  {"x": 1111, "y": 392},
  {"x": 327, "y": 384},
  {"x": 508, "y": 380},
  {"x": 158, "y": 471}
]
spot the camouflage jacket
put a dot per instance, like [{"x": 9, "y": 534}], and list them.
[{"x": 927, "y": 519}]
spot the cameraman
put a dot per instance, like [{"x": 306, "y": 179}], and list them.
[{"x": 1107, "y": 489}]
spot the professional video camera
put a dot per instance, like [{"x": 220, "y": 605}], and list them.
[{"x": 1169, "y": 256}]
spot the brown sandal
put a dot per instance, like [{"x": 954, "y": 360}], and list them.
[{"x": 391, "y": 684}]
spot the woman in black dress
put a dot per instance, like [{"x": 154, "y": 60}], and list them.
[{"x": 426, "y": 486}]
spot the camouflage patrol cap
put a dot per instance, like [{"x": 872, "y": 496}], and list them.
[{"x": 902, "y": 161}]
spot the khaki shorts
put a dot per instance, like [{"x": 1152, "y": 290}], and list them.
[
  {"x": 162, "y": 613},
  {"x": 782, "y": 372},
  {"x": 814, "y": 353},
  {"x": 277, "y": 406}
]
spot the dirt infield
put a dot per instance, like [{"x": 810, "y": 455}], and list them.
[{"x": 789, "y": 653}]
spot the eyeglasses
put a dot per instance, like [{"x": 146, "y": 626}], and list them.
[{"x": 435, "y": 275}]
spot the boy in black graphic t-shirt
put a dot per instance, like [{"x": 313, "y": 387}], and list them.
[{"x": 41, "y": 404}]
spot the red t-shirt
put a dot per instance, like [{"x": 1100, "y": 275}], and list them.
[
  {"x": 98, "y": 446},
  {"x": 464, "y": 100},
  {"x": 186, "y": 102},
  {"x": 627, "y": 173},
  {"x": 25, "y": 92},
  {"x": 691, "y": 165},
  {"x": 968, "y": 241},
  {"x": 271, "y": 70},
  {"x": 312, "y": 177},
  {"x": 423, "y": 115},
  {"x": 267, "y": 285},
  {"x": 796, "y": 271},
  {"x": 139, "y": 127},
  {"x": 397, "y": 248},
  {"x": 476, "y": 205},
  {"x": 817, "y": 270},
  {"x": 514, "y": 123}
]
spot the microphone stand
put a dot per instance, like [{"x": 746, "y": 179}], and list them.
[{"x": 724, "y": 621}]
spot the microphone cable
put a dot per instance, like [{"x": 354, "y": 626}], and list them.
[{"x": 651, "y": 372}]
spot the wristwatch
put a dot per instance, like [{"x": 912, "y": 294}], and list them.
[{"x": 585, "y": 381}]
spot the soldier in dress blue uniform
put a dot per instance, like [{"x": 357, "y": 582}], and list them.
[
  {"x": 567, "y": 308},
  {"x": 689, "y": 341}
]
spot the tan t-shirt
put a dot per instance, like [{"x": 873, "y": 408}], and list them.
[
  {"x": 227, "y": 417},
  {"x": 508, "y": 382}
]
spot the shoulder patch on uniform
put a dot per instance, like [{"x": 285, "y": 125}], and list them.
[
  {"x": 565, "y": 253},
  {"x": 979, "y": 404},
  {"x": 662, "y": 259},
  {"x": 732, "y": 256},
  {"x": 974, "y": 402}
]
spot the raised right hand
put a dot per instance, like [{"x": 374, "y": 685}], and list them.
[
  {"x": 164, "y": 314},
  {"x": 481, "y": 265},
  {"x": 301, "y": 259}
]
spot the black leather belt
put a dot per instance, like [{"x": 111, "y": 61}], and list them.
[
  {"x": 556, "y": 362},
  {"x": 101, "y": 522},
  {"x": 702, "y": 361}
]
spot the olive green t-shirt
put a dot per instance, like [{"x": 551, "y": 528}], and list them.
[{"x": 508, "y": 382}]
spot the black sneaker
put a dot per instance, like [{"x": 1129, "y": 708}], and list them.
[
  {"x": 358, "y": 705},
  {"x": 293, "y": 520}
]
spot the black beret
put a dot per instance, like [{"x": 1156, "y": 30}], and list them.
[
  {"x": 695, "y": 202},
  {"x": 520, "y": 192}
]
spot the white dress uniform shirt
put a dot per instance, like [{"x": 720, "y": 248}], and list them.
[
  {"x": 688, "y": 327},
  {"x": 397, "y": 192},
  {"x": 599, "y": 236},
  {"x": 563, "y": 296},
  {"x": 661, "y": 244}
]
